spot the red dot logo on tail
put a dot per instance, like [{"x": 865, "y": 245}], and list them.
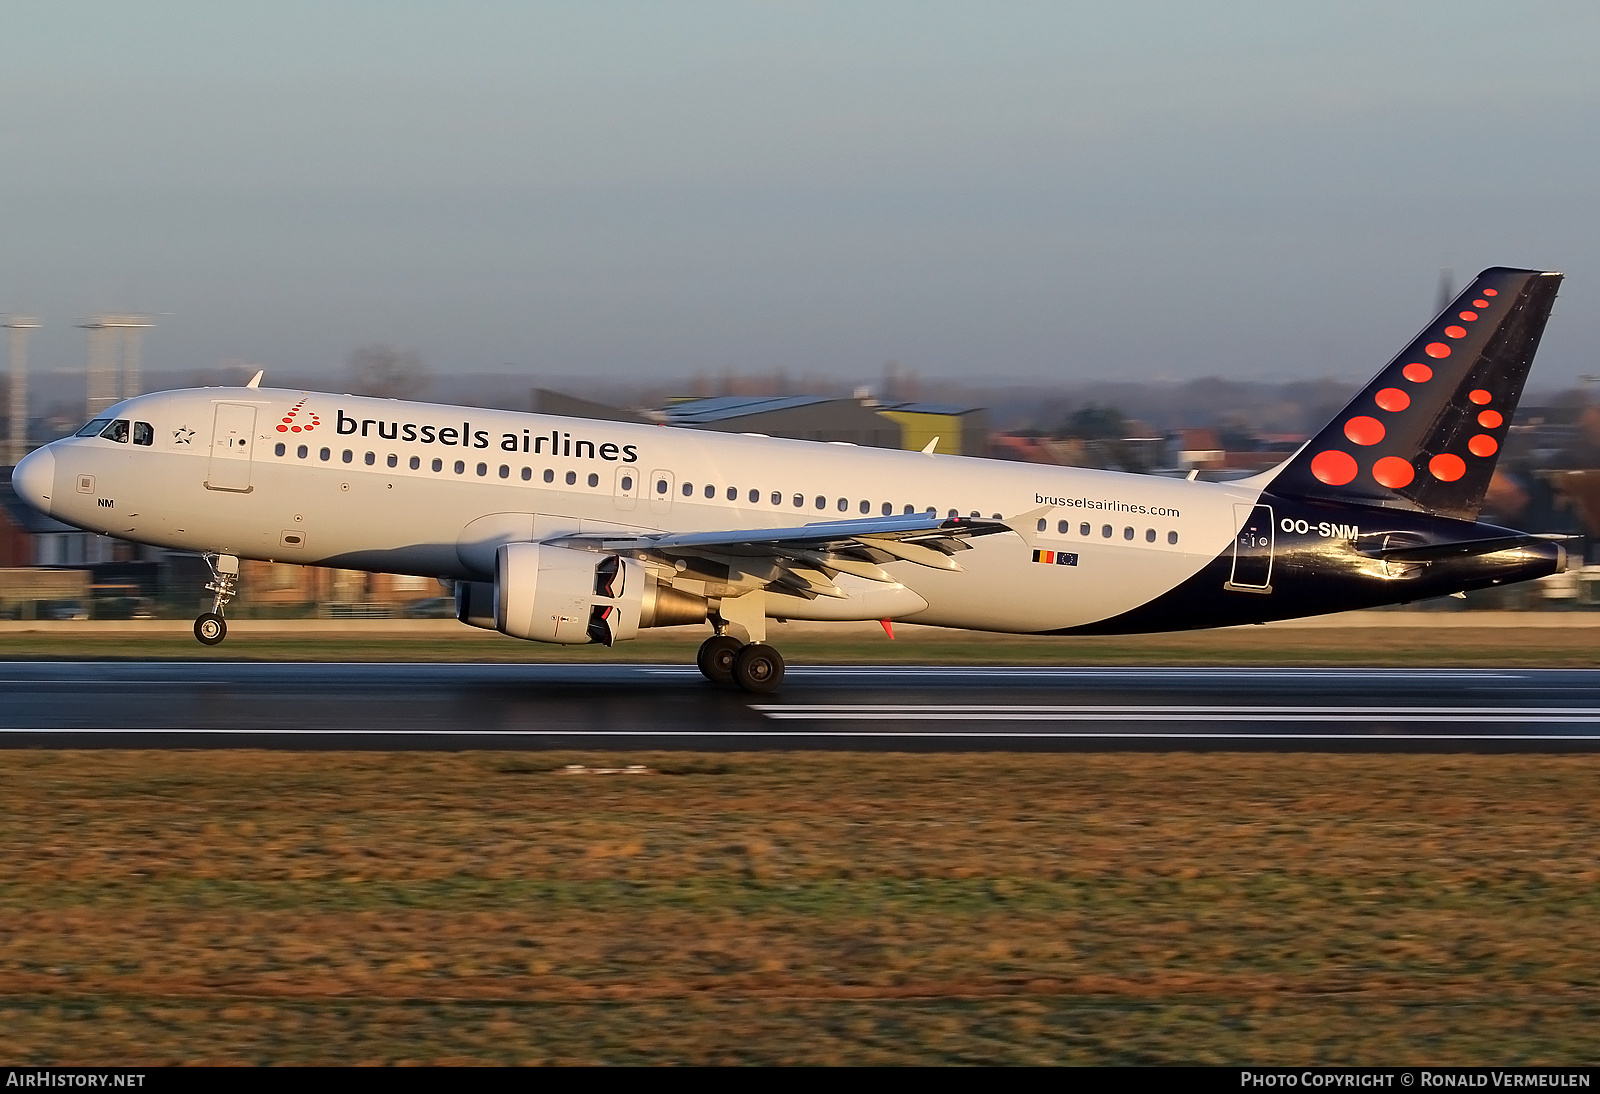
[
  {"x": 1364, "y": 430},
  {"x": 1436, "y": 349},
  {"x": 1333, "y": 467},
  {"x": 1417, "y": 372},
  {"x": 1447, "y": 467},
  {"x": 1483, "y": 445},
  {"x": 1393, "y": 472},
  {"x": 1455, "y": 332},
  {"x": 1480, "y": 396},
  {"x": 1490, "y": 419},
  {"x": 1392, "y": 399}
]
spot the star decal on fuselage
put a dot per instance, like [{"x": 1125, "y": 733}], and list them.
[{"x": 182, "y": 435}]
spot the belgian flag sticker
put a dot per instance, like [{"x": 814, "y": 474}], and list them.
[{"x": 1056, "y": 558}]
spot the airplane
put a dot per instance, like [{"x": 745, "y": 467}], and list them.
[{"x": 576, "y": 531}]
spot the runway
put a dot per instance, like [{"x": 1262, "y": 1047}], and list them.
[{"x": 936, "y": 708}]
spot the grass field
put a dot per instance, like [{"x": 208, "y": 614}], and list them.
[
  {"x": 258, "y": 907},
  {"x": 1389, "y": 646}
]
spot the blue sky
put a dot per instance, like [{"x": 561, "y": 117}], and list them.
[{"x": 975, "y": 190}]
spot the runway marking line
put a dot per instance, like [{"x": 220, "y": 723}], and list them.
[{"x": 827, "y": 734}]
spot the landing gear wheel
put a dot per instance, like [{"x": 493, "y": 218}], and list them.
[
  {"x": 716, "y": 657},
  {"x": 758, "y": 668},
  {"x": 211, "y": 628}
]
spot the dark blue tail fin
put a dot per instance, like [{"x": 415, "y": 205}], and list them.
[{"x": 1426, "y": 433}]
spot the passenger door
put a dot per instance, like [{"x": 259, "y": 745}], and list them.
[
  {"x": 1252, "y": 550},
  {"x": 232, "y": 446}
]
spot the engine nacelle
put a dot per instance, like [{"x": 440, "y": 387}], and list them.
[
  {"x": 555, "y": 594},
  {"x": 475, "y": 604}
]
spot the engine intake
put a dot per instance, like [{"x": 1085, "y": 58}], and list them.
[{"x": 555, "y": 594}]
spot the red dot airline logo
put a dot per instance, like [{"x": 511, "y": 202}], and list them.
[
  {"x": 293, "y": 423},
  {"x": 1337, "y": 467}
]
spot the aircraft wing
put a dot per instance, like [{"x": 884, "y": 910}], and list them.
[{"x": 803, "y": 560}]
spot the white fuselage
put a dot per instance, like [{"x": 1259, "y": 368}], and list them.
[{"x": 384, "y": 485}]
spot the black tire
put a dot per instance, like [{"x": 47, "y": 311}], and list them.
[
  {"x": 758, "y": 668},
  {"x": 211, "y": 628},
  {"x": 716, "y": 658}
]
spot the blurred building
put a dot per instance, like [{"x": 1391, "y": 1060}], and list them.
[{"x": 861, "y": 420}]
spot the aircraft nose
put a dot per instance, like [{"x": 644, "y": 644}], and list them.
[{"x": 34, "y": 478}]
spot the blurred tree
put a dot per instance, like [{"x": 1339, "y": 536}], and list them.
[
  {"x": 386, "y": 372},
  {"x": 1096, "y": 423}
]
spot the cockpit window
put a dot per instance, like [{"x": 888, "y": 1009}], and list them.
[
  {"x": 143, "y": 433},
  {"x": 116, "y": 431},
  {"x": 93, "y": 428}
]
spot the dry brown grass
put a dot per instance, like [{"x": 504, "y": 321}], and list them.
[
  {"x": 161, "y": 907},
  {"x": 1491, "y": 646}
]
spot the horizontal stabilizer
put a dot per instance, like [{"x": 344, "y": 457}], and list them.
[{"x": 1464, "y": 548}]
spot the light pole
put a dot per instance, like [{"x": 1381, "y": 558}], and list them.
[{"x": 19, "y": 327}]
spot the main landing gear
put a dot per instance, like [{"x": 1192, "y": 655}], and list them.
[
  {"x": 753, "y": 666},
  {"x": 211, "y": 628}
]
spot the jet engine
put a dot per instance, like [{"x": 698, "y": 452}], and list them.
[{"x": 555, "y": 594}]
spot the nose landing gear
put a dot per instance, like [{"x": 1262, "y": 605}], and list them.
[
  {"x": 210, "y": 628},
  {"x": 752, "y": 666}
]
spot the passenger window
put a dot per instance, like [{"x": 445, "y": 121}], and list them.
[
  {"x": 1127, "y": 533},
  {"x": 416, "y": 462},
  {"x": 527, "y": 474},
  {"x": 1149, "y": 535},
  {"x": 844, "y": 505},
  {"x": 394, "y": 461},
  {"x": 954, "y": 514},
  {"x": 302, "y": 452},
  {"x": 279, "y": 450},
  {"x": 931, "y": 511},
  {"x": 799, "y": 501},
  {"x": 325, "y": 455},
  {"x": 1172, "y": 537},
  {"x": 483, "y": 469},
  {"x": 1083, "y": 529},
  {"x": 505, "y": 471},
  {"x": 866, "y": 507},
  {"x": 1042, "y": 524},
  {"x": 1105, "y": 531},
  {"x": 661, "y": 485},
  {"x": 908, "y": 512},
  {"x": 755, "y": 496},
  {"x": 347, "y": 456},
  {"x": 688, "y": 489},
  {"x": 550, "y": 476},
  {"x": 1061, "y": 527},
  {"x": 572, "y": 477},
  {"x": 372, "y": 458},
  {"x": 461, "y": 467},
  {"x": 887, "y": 508},
  {"x": 93, "y": 428},
  {"x": 116, "y": 431},
  {"x": 733, "y": 493},
  {"x": 144, "y": 433},
  {"x": 438, "y": 464},
  {"x": 594, "y": 480},
  {"x": 777, "y": 498},
  {"x": 711, "y": 491},
  {"x": 822, "y": 502}
]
